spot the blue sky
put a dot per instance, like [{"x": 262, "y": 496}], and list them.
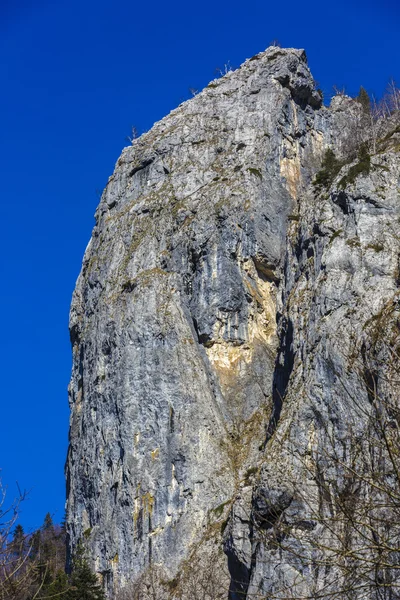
[{"x": 75, "y": 76}]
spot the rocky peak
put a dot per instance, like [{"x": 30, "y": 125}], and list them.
[{"x": 216, "y": 306}]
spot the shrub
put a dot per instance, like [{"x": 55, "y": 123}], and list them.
[
  {"x": 363, "y": 167},
  {"x": 329, "y": 169}
]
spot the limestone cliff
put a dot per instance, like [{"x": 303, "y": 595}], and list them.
[{"x": 222, "y": 303}]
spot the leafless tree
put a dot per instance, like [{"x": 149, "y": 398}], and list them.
[
  {"x": 227, "y": 68},
  {"x": 16, "y": 573},
  {"x": 29, "y": 563},
  {"x": 133, "y": 135}
]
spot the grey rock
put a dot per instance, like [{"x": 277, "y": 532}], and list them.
[{"x": 220, "y": 300}]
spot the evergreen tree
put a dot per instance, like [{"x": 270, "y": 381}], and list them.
[
  {"x": 48, "y": 524},
  {"x": 18, "y": 542},
  {"x": 58, "y": 588},
  {"x": 364, "y": 99},
  {"x": 330, "y": 167},
  {"x": 36, "y": 544},
  {"x": 63, "y": 526},
  {"x": 83, "y": 582},
  {"x": 32, "y": 566}
]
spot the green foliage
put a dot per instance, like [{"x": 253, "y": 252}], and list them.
[
  {"x": 329, "y": 169},
  {"x": 363, "y": 167},
  {"x": 18, "y": 542},
  {"x": 391, "y": 133},
  {"x": 364, "y": 99},
  {"x": 48, "y": 524},
  {"x": 255, "y": 172},
  {"x": 36, "y": 543},
  {"x": 83, "y": 582},
  {"x": 377, "y": 247},
  {"x": 35, "y": 567},
  {"x": 220, "y": 509},
  {"x": 353, "y": 242},
  {"x": 223, "y": 526},
  {"x": 335, "y": 234},
  {"x": 58, "y": 587},
  {"x": 250, "y": 471},
  {"x": 32, "y": 566},
  {"x": 18, "y": 534}
]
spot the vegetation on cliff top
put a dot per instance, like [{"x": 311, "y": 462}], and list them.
[{"x": 374, "y": 129}]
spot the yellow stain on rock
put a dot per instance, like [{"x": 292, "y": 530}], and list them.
[
  {"x": 290, "y": 170},
  {"x": 224, "y": 355},
  {"x": 148, "y": 503},
  {"x": 145, "y": 502},
  {"x": 231, "y": 361},
  {"x": 155, "y": 454},
  {"x": 290, "y": 162},
  {"x": 156, "y": 531},
  {"x": 78, "y": 402}
]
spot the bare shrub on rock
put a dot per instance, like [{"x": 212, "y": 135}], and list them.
[{"x": 202, "y": 577}]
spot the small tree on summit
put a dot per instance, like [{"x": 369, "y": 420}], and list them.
[{"x": 364, "y": 99}]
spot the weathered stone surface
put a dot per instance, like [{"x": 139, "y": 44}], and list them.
[
  {"x": 220, "y": 303},
  {"x": 341, "y": 275}
]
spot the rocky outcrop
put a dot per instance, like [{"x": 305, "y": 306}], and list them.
[
  {"x": 340, "y": 301},
  {"x": 221, "y": 303}
]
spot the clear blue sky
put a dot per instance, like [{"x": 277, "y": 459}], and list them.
[{"x": 75, "y": 76}]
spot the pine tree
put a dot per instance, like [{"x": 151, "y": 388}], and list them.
[
  {"x": 58, "y": 588},
  {"x": 36, "y": 544},
  {"x": 48, "y": 524},
  {"x": 330, "y": 167},
  {"x": 18, "y": 543},
  {"x": 364, "y": 99},
  {"x": 63, "y": 526},
  {"x": 83, "y": 582}
]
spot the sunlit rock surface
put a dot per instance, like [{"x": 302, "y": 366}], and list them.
[{"x": 221, "y": 303}]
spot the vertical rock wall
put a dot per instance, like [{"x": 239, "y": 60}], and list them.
[{"x": 216, "y": 307}]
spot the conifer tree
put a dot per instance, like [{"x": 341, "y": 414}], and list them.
[
  {"x": 48, "y": 524},
  {"x": 58, "y": 588},
  {"x": 330, "y": 167},
  {"x": 364, "y": 99},
  {"x": 83, "y": 582},
  {"x": 18, "y": 542},
  {"x": 36, "y": 544}
]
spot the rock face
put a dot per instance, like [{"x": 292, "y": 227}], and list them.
[{"x": 222, "y": 305}]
